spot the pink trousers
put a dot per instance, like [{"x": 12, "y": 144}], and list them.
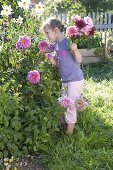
[{"x": 72, "y": 90}]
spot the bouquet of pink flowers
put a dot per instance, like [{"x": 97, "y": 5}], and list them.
[{"x": 81, "y": 28}]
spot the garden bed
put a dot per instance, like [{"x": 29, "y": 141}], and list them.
[{"x": 32, "y": 163}]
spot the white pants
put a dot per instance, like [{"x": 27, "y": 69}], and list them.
[{"x": 72, "y": 90}]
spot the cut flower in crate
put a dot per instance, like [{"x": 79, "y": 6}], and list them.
[{"x": 80, "y": 28}]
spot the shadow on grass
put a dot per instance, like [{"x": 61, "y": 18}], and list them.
[{"x": 99, "y": 71}]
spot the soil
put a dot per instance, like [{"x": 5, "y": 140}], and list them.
[{"x": 32, "y": 163}]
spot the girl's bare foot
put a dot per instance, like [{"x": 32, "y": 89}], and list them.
[{"x": 70, "y": 128}]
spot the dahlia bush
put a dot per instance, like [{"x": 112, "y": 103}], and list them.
[
  {"x": 28, "y": 85},
  {"x": 29, "y": 110}
]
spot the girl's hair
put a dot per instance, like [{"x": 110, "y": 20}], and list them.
[{"x": 52, "y": 23}]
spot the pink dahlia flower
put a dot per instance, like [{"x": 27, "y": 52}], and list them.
[
  {"x": 88, "y": 31},
  {"x": 65, "y": 101},
  {"x": 33, "y": 77},
  {"x": 85, "y": 30},
  {"x": 71, "y": 31},
  {"x": 81, "y": 103},
  {"x": 76, "y": 17},
  {"x": 23, "y": 42},
  {"x": 88, "y": 21},
  {"x": 43, "y": 46}
]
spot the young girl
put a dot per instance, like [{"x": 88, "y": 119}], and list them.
[{"x": 67, "y": 62}]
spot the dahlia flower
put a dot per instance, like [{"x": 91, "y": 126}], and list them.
[
  {"x": 71, "y": 31},
  {"x": 84, "y": 25},
  {"x": 92, "y": 31},
  {"x": 23, "y": 42},
  {"x": 43, "y": 46},
  {"x": 65, "y": 101},
  {"x": 75, "y": 17},
  {"x": 85, "y": 30},
  {"x": 88, "y": 21},
  {"x": 33, "y": 77},
  {"x": 81, "y": 103},
  {"x": 80, "y": 23}
]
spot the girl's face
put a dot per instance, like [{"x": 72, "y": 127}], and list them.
[{"x": 50, "y": 34}]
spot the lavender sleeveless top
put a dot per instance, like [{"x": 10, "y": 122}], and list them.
[{"x": 69, "y": 69}]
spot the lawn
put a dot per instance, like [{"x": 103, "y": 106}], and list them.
[{"x": 91, "y": 145}]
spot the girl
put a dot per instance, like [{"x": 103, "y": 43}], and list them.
[{"x": 67, "y": 62}]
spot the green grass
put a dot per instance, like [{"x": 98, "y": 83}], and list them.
[{"x": 91, "y": 145}]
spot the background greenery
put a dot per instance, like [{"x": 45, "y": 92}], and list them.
[
  {"x": 78, "y": 6},
  {"x": 74, "y": 6}
]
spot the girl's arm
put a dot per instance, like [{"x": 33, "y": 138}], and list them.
[
  {"x": 53, "y": 61},
  {"x": 76, "y": 53}
]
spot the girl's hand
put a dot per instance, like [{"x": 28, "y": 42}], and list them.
[
  {"x": 73, "y": 47},
  {"x": 46, "y": 55}
]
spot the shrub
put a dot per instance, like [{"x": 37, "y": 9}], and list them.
[{"x": 28, "y": 114}]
